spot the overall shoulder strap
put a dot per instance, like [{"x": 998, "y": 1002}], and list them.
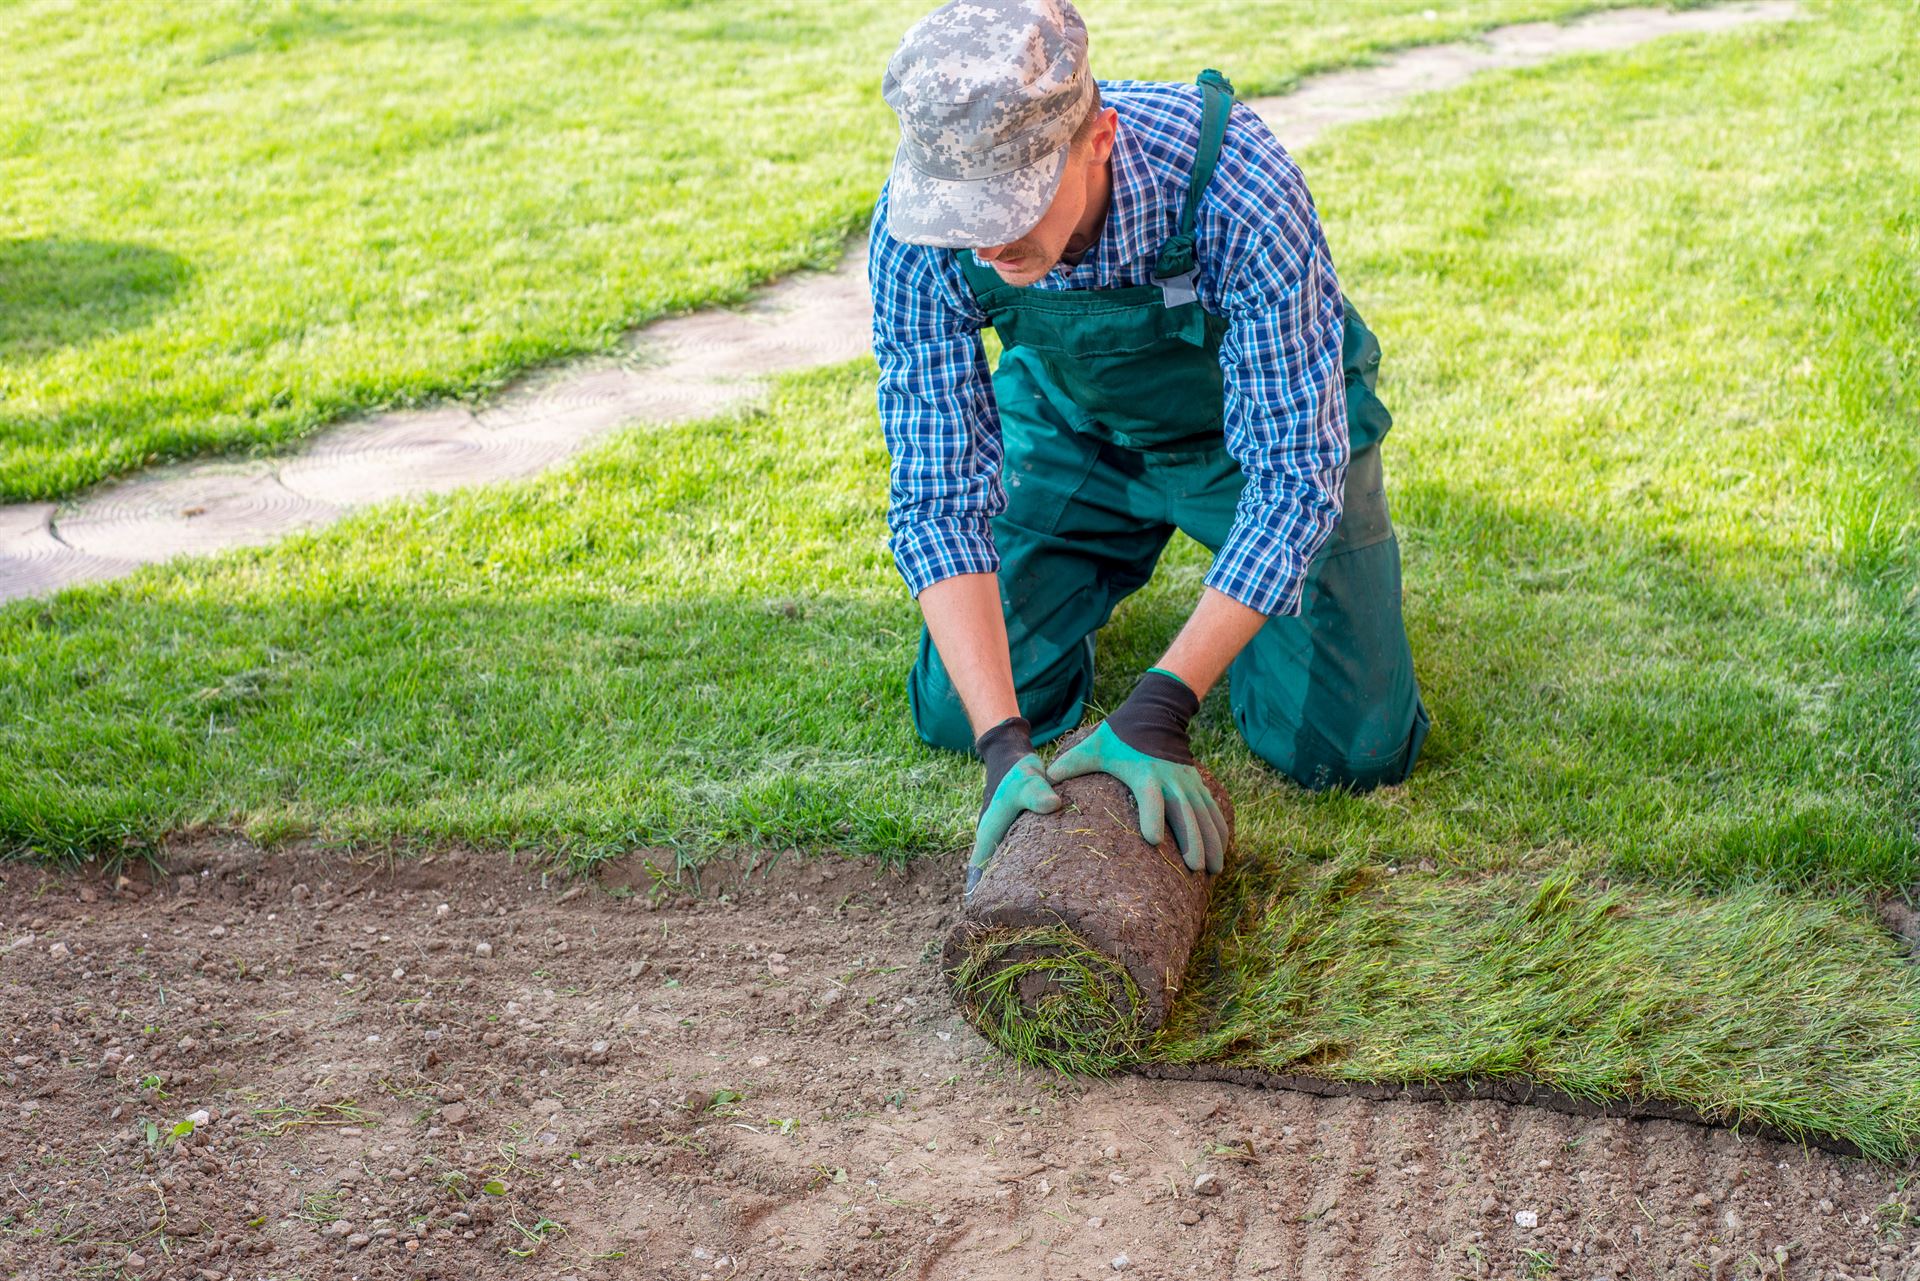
[
  {"x": 1216, "y": 99},
  {"x": 979, "y": 279}
]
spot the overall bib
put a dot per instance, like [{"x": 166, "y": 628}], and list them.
[{"x": 1112, "y": 411}]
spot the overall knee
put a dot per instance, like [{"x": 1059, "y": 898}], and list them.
[{"x": 1375, "y": 748}]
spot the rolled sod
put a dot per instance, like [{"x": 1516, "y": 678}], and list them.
[{"x": 1069, "y": 952}]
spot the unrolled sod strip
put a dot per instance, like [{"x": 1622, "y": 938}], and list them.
[{"x": 1071, "y": 949}]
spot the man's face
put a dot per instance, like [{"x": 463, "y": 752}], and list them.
[{"x": 1074, "y": 217}]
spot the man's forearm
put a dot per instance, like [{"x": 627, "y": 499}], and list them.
[
  {"x": 1213, "y": 637},
  {"x": 964, "y": 615}
]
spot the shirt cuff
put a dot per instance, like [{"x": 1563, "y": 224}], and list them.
[
  {"x": 1268, "y": 579},
  {"x": 929, "y": 551}
]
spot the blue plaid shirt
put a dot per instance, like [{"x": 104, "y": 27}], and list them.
[{"x": 1261, "y": 262}]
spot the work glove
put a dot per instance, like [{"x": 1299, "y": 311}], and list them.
[
  {"x": 1016, "y": 782},
  {"x": 1144, "y": 745}
]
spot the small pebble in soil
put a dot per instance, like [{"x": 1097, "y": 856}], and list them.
[
  {"x": 1120, "y": 1263},
  {"x": 483, "y": 949},
  {"x": 1526, "y": 1218},
  {"x": 1189, "y": 1216},
  {"x": 1208, "y": 1184}
]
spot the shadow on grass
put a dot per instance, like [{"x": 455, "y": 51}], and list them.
[
  {"x": 1699, "y": 712},
  {"x": 1702, "y": 712},
  {"x": 56, "y": 292}
]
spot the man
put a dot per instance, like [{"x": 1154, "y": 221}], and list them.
[{"x": 1174, "y": 337}]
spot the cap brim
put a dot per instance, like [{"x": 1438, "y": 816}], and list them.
[{"x": 971, "y": 214}]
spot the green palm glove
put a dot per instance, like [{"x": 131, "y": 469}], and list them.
[
  {"x": 1144, "y": 745},
  {"x": 1016, "y": 782}
]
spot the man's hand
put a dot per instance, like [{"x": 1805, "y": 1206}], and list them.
[
  {"x": 1016, "y": 782},
  {"x": 1144, "y": 745}
]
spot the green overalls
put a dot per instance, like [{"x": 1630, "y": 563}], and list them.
[{"x": 1112, "y": 417}]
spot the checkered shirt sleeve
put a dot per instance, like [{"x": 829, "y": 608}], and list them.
[{"x": 936, "y": 411}]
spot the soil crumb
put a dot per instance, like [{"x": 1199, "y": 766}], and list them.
[{"x": 289, "y": 1065}]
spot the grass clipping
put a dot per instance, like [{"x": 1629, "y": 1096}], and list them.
[{"x": 1043, "y": 995}]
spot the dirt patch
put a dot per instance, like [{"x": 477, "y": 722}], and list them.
[
  {"x": 768, "y": 1081},
  {"x": 1902, "y": 919}
]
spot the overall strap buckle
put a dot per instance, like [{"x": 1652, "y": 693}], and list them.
[{"x": 1177, "y": 290}]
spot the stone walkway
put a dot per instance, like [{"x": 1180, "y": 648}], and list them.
[{"x": 687, "y": 367}]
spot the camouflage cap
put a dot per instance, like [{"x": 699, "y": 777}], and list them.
[{"x": 989, "y": 93}]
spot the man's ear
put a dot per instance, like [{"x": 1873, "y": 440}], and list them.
[{"x": 1100, "y": 141}]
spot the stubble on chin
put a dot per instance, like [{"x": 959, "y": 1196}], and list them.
[{"x": 1022, "y": 275}]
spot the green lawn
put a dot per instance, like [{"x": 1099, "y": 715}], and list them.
[
  {"x": 1651, "y": 338},
  {"x": 224, "y": 224}
]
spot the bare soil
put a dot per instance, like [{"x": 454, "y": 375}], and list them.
[{"x": 764, "y": 1080}]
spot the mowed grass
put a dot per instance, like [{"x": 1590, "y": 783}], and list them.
[
  {"x": 226, "y": 223},
  {"x": 1650, "y": 333},
  {"x": 1653, "y": 472}
]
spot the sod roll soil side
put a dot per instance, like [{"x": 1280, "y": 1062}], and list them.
[{"x": 1072, "y": 947}]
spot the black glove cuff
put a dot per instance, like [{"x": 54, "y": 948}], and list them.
[
  {"x": 1001, "y": 748},
  {"x": 1154, "y": 718}
]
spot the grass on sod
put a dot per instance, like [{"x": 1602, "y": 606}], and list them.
[
  {"x": 1751, "y": 1005},
  {"x": 1088, "y": 1018},
  {"x": 1649, "y": 332},
  {"x": 224, "y": 224}
]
